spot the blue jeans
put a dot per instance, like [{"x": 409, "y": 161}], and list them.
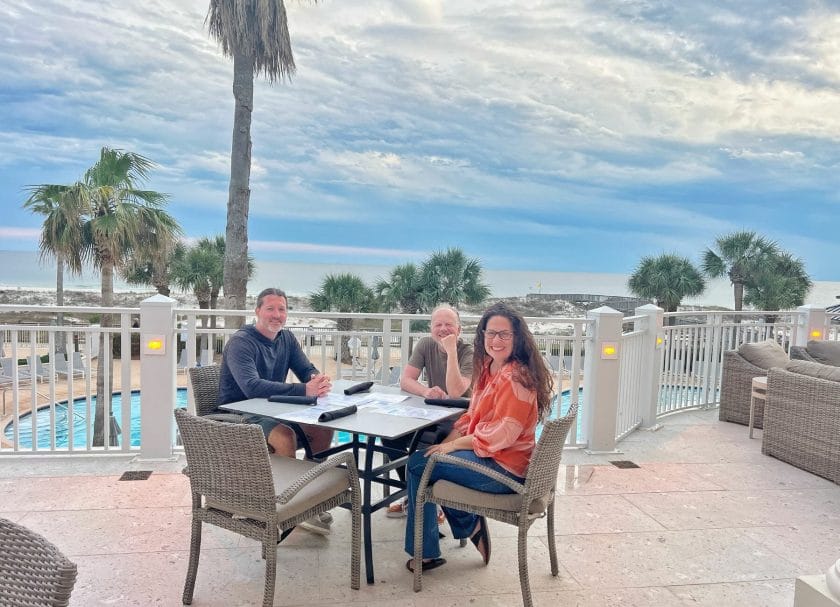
[{"x": 462, "y": 523}]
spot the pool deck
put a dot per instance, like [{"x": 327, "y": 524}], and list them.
[{"x": 705, "y": 520}]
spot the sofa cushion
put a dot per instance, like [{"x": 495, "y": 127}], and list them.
[
  {"x": 805, "y": 367},
  {"x": 825, "y": 352},
  {"x": 764, "y": 354}
]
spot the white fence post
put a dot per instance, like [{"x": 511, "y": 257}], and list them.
[
  {"x": 811, "y": 324},
  {"x": 600, "y": 379},
  {"x": 158, "y": 347},
  {"x": 651, "y": 366}
]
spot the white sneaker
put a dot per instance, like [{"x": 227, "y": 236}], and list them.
[{"x": 315, "y": 525}]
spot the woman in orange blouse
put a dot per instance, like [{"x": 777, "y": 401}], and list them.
[{"x": 512, "y": 393}]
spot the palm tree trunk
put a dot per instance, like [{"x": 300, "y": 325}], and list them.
[
  {"x": 344, "y": 325},
  {"x": 60, "y": 336},
  {"x": 738, "y": 287},
  {"x": 236, "y": 233},
  {"x": 103, "y": 397}
]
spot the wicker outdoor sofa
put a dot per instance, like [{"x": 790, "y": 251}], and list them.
[
  {"x": 802, "y": 417},
  {"x": 739, "y": 368},
  {"x": 824, "y": 352}
]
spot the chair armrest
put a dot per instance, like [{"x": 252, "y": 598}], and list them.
[
  {"x": 475, "y": 467},
  {"x": 340, "y": 459}
]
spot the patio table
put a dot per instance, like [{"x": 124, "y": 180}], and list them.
[{"x": 364, "y": 426}]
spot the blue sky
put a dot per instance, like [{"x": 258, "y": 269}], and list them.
[{"x": 564, "y": 136}]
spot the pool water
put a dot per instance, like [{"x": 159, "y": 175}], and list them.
[
  {"x": 42, "y": 422},
  {"x": 80, "y": 421}
]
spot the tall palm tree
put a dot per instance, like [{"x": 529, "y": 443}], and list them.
[
  {"x": 255, "y": 34},
  {"x": 61, "y": 237},
  {"x": 781, "y": 283},
  {"x": 450, "y": 277},
  {"x": 666, "y": 278},
  {"x": 739, "y": 256},
  {"x": 343, "y": 293},
  {"x": 117, "y": 217}
]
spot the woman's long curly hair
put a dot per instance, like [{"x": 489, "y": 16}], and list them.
[{"x": 532, "y": 372}]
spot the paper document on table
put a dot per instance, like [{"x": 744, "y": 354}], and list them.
[
  {"x": 409, "y": 411},
  {"x": 362, "y": 399},
  {"x": 309, "y": 415}
]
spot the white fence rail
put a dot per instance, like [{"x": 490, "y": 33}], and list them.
[{"x": 662, "y": 368}]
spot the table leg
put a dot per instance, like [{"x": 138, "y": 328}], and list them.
[{"x": 366, "y": 509}]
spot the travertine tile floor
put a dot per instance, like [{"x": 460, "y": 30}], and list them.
[{"x": 705, "y": 520}]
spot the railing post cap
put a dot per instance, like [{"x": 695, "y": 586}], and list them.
[
  {"x": 604, "y": 311},
  {"x": 650, "y": 308},
  {"x": 158, "y": 300}
]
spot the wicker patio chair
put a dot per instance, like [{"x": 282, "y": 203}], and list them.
[
  {"x": 532, "y": 500},
  {"x": 827, "y": 352},
  {"x": 205, "y": 385},
  {"x": 238, "y": 486},
  {"x": 802, "y": 421},
  {"x": 735, "y": 389},
  {"x": 33, "y": 573}
]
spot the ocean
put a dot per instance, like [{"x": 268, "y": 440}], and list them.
[{"x": 22, "y": 269}]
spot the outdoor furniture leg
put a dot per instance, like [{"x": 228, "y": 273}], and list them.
[{"x": 366, "y": 509}]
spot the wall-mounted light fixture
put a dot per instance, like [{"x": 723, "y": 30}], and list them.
[
  {"x": 815, "y": 334},
  {"x": 154, "y": 345},
  {"x": 609, "y": 350},
  {"x": 660, "y": 340}
]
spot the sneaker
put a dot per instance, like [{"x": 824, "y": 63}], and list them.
[
  {"x": 326, "y": 518},
  {"x": 315, "y": 525},
  {"x": 397, "y": 509}
]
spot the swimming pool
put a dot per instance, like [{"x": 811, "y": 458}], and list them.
[
  {"x": 42, "y": 422},
  {"x": 80, "y": 421}
]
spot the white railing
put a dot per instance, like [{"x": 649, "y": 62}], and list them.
[
  {"x": 692, "y": 352},
  {"x": 38, "y": 376},
  {"x": 662, "y": 367},
  {"x": 378, "y": 346},
  {"x": 631, "y": 375}
]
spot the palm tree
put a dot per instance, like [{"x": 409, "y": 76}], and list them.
[
  {"x": 781, "y": 283},
  {"x": 666, "y": 278},
  {"x": 152, "y": 263},
  {"x": 401, "y": 289},
  {"x": 450, "y": 277},
  {"x": 60, "y": 238},
  {"x": 343, "y": 293},
  {"x": 739, "y": 256},
  {"x": 117, "y": 217},
  {"x": 255, "y": 34}
]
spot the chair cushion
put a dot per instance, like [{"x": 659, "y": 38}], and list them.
[
  {"x": 764, "y": 354},
  {"x": 804, "y": 367},
  {"x": 287, "y": 470},
  {"x": 825, "y": 352},
  {"x": 510, "y": 502}
]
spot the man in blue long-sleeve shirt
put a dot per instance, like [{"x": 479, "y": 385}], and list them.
[{"x": 255, "y": 363}]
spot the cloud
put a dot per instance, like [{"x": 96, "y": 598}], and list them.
[{"x": 323, "y": 249}]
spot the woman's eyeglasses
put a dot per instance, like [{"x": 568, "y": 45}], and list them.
[{"x": 503, "y": 335}]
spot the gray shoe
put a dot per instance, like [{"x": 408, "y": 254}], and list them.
[
  {"x": 315, "y": 525},
  {"x": 326, "y": 518}
]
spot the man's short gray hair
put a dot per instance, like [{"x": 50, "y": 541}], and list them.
[{"x": 446, "y": 306}]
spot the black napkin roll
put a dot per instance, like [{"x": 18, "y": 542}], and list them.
[
  {"x": 293, "y": 400},
  {"x": 328, "y": 416},
  {"x": 362, "y": 387},
  {"x": 458, "y": 403}
]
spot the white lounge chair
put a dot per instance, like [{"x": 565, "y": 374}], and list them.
[
  {"x": 61, "y": 367},
  {"x": 8, "y": 369}
]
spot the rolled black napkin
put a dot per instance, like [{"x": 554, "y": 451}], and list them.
[
  {"x": 458, "y": 403},
  {"x": 362, "y": 387},
  {"x": 328, "y": 416},
  {"x": 293, "y": 400}
]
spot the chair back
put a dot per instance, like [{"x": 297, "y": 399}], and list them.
[
  {"x": 228, "y": 464},
  {"x": 545, "y": 460},
  {"x": 32, "y": 570},
  {"x": 205, "y": 385}
]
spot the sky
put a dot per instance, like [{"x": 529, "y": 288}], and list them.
[{"x": 536, "y": 135}]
